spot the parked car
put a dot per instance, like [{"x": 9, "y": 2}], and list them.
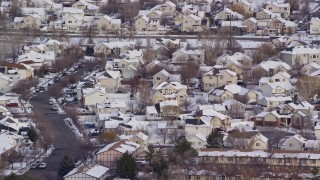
[
  {"x": 56, "y": 79},
  {"x": 12, "y": 105},
  {"x": 33, "y": 166},
  {"x": 52, "y": 101},
  {"x": 42, "y": 165},
  {"x": 55, "y": 107}
]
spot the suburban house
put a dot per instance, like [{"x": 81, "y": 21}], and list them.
[
  {"x": 301, "y": 55},
  {"x": 277, "y": 85},
  {"x": 199, "y": 124},
  {"x": 146, "y": 24},
  {"x": 108, "y": 24},
  {"x": 110, "y": 106},
  {"x": 9, "y": 141},
  {"x": 251, "y": 25},
  {"x": 198, "y": 140},
  {"x": 271, "y": 102},
  {"x": 299, "y": 143},
  {"x": 32, "y": 21},
  {"x": 228, "y": 14},
  {"x": 280, "y": 8},
  {"x": 153, "y": 113},
  {"x": 88, "y": 171},
  {"x": 273, "y": 119},
  {"x": 113, "y": 48},
  {"x": 183, "y": 55},
  {"x": 247, "y": 140},
  {"x": 315, "y": 25},
  {"x": 55, "y": 46},
  {"x": 282, "y": 26},
  {"x": 73, "y": 22},
  {"x": 165, "y": 76},
  {"x": 111, "y": 153},
  {"x": 235, "y": 109},
  {"x": 193, "y": 23},
  {"x": 92, "y": 96},
  {"x": 110, "y": 80},
  {"x": 216, "y": 78},
  {"x": 168, "y": 8},
  {"x": 270, "y": 67},
  {"x": 88, "y": 8},
  {"x": 167, "y": 91},
  {"x": 265, "y": 14}
]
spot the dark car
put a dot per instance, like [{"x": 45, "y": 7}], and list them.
[
  {"x": 12, "y": 105},
  {"x": 56, "y": 79}
]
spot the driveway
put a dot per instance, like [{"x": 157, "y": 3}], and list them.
[{"x": 65, "y": 142}]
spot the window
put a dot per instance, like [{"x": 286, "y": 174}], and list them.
[
  {"x": 199, "y": 143},
  {"x": 196, "y": 128},
  {"x": 313, "y": 161},
  {"x": 210, "y": 77},
  {"x": 277, "y": 80},
  {"x": 221, "y": 77},
  {"x": 69, "y": 21},
  {"x": 290, "y": 145}
]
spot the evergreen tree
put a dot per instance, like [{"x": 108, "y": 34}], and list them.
[
  {"x": 160, "y": 165},
  {"x": 150, "y": 153},
  {"x": 89, "y": 51},
  {"x": 32, "y": 134},
  {"x": 127, "y": 166},
  {"x": 13, "y": 176},
  {"x": 182, "y": 146},
  {"x": 215, "y": 140},
  {"x": 66, "y": 166}
]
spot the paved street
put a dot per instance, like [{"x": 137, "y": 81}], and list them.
[{"x": 64, "y": 140}]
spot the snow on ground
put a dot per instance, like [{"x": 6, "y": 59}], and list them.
[{"x": 73, "y": 128}]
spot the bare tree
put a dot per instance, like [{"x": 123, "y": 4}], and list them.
[
  {"x": 23, "y": 87},
  {"x": 263, "y": 52},
  {"x": 55, "y": 91},
  {"x": 144, "y": 97},
  {"x": 188, "y": 71},
  {"x": 130, "y": 11},
  {"x": 307, "y": 87}
]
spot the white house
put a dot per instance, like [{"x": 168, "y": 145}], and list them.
[
  {"x": 315, "y": 25},
  {"x": 301, "y": 55},
  {"x": 88, "y": 172}
]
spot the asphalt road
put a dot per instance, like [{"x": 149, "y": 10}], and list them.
[{"x": 65, "y": 142}]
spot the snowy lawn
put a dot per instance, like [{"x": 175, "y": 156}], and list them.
[{"x": 73, "y": 128}]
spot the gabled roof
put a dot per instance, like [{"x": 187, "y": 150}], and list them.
[{"x": 93, "y": 170}]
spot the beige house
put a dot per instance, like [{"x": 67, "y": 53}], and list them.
[
  {"x": 184, "y": 55},
  {"x": 146, "y": 24},
  {"x": 282, "y": 26},
  {"x": 32, "y": 21},
  {"x": 108, "y": 24},
  {"x": 216, "y": 78},
  {"x": 265, "y": 14},
  {"x": 164, "y": 76},
  {"x": 92, "y": 96},
  {"x": 88, "y": 8},
  {"x": 228, "y": 14},
  {"x": 251, "y": 25},
  {"x": 19, "y": 71},
  {"x": 193, "y": 23},
  {"x": 113, "y": 48},
  {"x": 168, "y": 8},
  {"x": 281, "y": 8},
  {"x": 73, "y": 22},
  {"x": 167, "y": 91},
  {"x": 155, "y": 15},
  {"x": 110, "y": 80},
  {"x": 273, "y": 119},
  {"x": 55, "y": 46},
  {"x": 315, "y": 25},
  {"x": 110, "y": 154}
]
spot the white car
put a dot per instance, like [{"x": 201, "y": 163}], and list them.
[
  {"x": 42, "y": 165},
  {"x": 55, "y": 107},
  {"x": 52, "y": 101}
]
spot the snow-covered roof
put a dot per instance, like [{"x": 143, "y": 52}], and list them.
[
  {"x": 302, "y": 50},
  {"x": 142, "y": 136},
  {"x": 93, "y": 170},
  {"x": 175, "y": 85},
  {"x": 7, "y": 141},
  {"x": 267, "y": 65}
]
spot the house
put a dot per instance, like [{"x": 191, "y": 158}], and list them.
[
  {"x": 108, "y": 24},
  {"x": 247, "y": 140},
  {"x": 199, "y": 124},
  {"x": 235, "y": 109},
  {"x": 217, "y": 119},
  {"x": 168, "y": 8},
  {"x": 113, "y": 48},
  {"x": 155, "y": 15},
  {"x": 55, "y": 46},
  {"x": 193, "y": 23},
  {"x": 17, "y": 71},
  {"x": 165, "y": 76},
  {"x": 73, "y": 22},
  {"x": 216, "y": 107},
  {"x": 281, "y": 8},
  {"x": 146, "y": 24},
  {"x": 198, "y": 140},
  {"x": 5, "y": 83},
  {"x": 170, "y": 91},
  {"x": 228, "y": 14},
  {"x": 9, "y": 141},
  {"x": 111, "y": 106},
  {"x": 111, "y": 153},
  {"x": 271, "y": 67},
  {"x": 140, "y": 138},
  {"x": 88, "y": 8},
  {"x": 315, "y": 25},
  {"x": 216, "y": 78},
  {"x": 282, "y": 26},
  {"x": 110, "y": 80},
  {"x": 92, "y": 96},
  {"x": 88, "y": 171},
  {"x": 70, "y": 11},
  {"x": 295, "y": 107},
  {"x": 183, "y": 56},
  {"x": 273, "y": 119},
  {"x": 301, "y": 55},
  {"x": 270, "y": 102},
  {"x": 32, "y": 21},
  {"x": 251, "y": 25},
  {"x": 277, "y": 85},
  {"x": 153, "y": 113},
  {"x": 265, "y": 14},
  {"x": 310, "y": 68},
  {"x": 299, "y": 143}
]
